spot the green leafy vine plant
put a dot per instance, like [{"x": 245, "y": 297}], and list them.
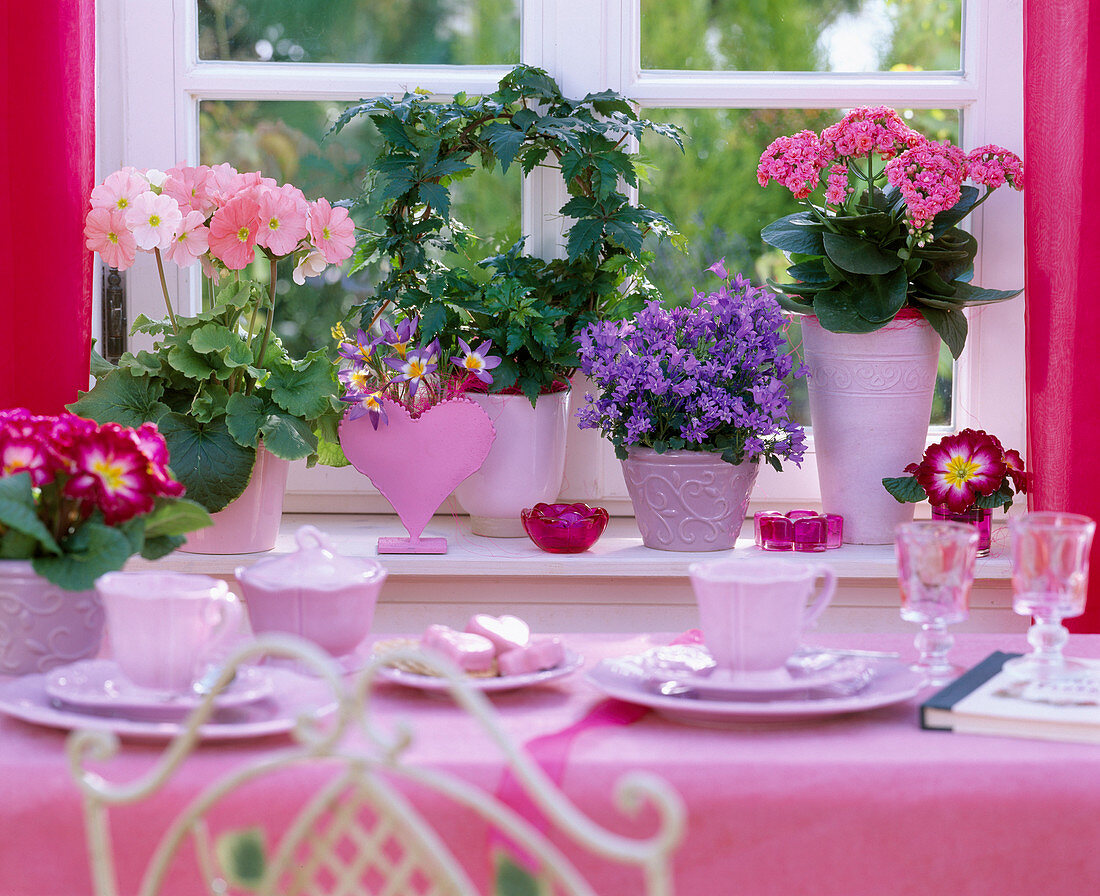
[{"x": 532, "y": 309}]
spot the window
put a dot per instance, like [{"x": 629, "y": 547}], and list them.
[{"x": 256, "y": 81}]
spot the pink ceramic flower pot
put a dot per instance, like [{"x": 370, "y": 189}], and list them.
[
  {"x": 870, "y": 404},
  {"x": 41, "y": 625},
  {"x": 251, "y": 523},
  {"x": 525, "y": 465},
  {"x": 688, "y": 500}
]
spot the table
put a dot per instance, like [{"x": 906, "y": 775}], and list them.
[{"x": 866, "y": 804}]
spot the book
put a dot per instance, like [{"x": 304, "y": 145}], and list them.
[{"x": 988, "y": 700}]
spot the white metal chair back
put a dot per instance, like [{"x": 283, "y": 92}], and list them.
[{"x": 358, "y": 834}]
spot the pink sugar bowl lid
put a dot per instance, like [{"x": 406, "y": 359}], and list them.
[{"x": 314, "y": 566}]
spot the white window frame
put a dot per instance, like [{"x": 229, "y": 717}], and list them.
[{"x": 150, "y": 85}]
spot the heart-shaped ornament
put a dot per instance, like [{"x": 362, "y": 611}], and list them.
[{"x": 416, "y": 463}]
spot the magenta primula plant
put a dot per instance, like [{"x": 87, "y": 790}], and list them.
[
  {"x": 970, "y": 469},
  {"x": 880, "y": 231},
  {"x": 707, "y": 377},
  {"x": 390, "y": 366},
  {"x": 78, "y": 499},
  {"x": 219, "y": 382}
]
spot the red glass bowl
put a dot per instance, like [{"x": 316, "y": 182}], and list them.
[{"x": 564, "y": 528}]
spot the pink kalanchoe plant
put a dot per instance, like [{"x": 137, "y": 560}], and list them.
[
  {"x": 78, "y": 499},
  {"x": 220, "y": 382},
  {"x": 884, "y": 235},
  {"x": 970, "y": 469}
]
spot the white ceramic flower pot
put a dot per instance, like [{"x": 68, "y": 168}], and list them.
[
  {"x": 525, "y": 465},
  {"x": 688, "y": 500},
  {"x": 41, "y": 624},
  {"x": 870, "y": 404},
  {"x": 249, "y": 524}
]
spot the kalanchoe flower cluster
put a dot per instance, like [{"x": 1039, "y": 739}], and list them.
[
  {"x": 708, "y": 376},
  {"x": 214, "y": 215},
  {"x": 77, "y": 498},
  {"x": 928, "y": 173},
  {"x": 962, "y": 471},
  {"x": 391, "y": 366}
]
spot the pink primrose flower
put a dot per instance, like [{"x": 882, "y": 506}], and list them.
[
  {"x": 1016, "y": 470},
  {"x": 993, "y": 166},
  {"x": 192, "y": 239},
  {"x": 930, "y": 178},
  {"x": 111, "y": 472},
  {"x": 153, "y": 218},
  {"x": 26, "y": 453},
  {"x": 223, "y": 184},
  {"x": 870, "y": 129},
  {"x": 189, "y": 186},
  {"x": 332, "y": 230},
  {"x": 795, "y": 162},
  {"x": 119, "y": 190},
  {"x": 960, "y": 468},
  {"x": 151, "y": 444},
  {"x": 312, "y": 264},
  {"x": 105, "y": 232},
  {"x": 233, "y": 232},
  {"x": 282, "y": 219}
]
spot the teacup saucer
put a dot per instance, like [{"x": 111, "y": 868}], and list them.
[
  {"x": 691, "y": 668},
  {"x": 99, "y": 686}
]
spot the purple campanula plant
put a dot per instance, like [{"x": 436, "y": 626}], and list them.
[{"x": 707, "y": 376}]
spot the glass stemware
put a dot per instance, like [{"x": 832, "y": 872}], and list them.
[
  {"x": 935, "y": 572},
  {"x": 1050, "y": 573}
]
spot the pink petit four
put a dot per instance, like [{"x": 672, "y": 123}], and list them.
[
  {"x": 539, "y": 655},
  {"x": 470, "y": 652},
  {"x": 506, "y": 632}
]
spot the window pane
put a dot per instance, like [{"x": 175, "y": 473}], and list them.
[
  {"x": 802, "y": 35},
  {"x": 712, "y": 197},
  {"x": 283, "y": 140},
  {"x": 425, "y": 32}
]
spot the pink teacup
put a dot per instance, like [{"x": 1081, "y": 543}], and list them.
[
  {"x": 165, "y": 627},
  {"x": 752, "y": 611}
]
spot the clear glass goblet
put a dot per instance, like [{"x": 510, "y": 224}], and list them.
[
  {"x": 1050, "y": 575},
  {"x": 935, "y": 572}
]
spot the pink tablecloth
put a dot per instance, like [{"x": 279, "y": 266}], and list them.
[{"x": 866, "y": 804}]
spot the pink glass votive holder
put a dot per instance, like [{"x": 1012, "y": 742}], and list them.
[
  {"x": 810, "y": 533},
  {"x": 776, "y": 531},
  {"x": 799, "y": 530},
  {"x": 564, "y": 528}
]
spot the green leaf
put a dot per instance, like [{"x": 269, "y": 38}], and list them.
[
  {"x": 94, "y": 549},
  {"x": 850, "y": 253},
  {"x": 143, "y": 363},
  {"x": 880, "y": 298},
  {"x": 331, "y": 454},
  {"x": 123, "y": 398},
  {"x": 512, "y": 879},
  {"x": 303, "y": 388},
  {"x": 161, "y": 546},
  {"x": 506, "y": 141},
  {"x": 951, "y": 325},
  {"x": 1000, "y": 498},
  {"x": 190, "y": 363},
  {"x": 242, "y": 857},
  {"x": 17, "y": 546},
  {"x": 206, "y": 458},
  {"x": 905, "y": 489},
  {"x": 251, "y": 419},
  {"x": 810, "y": 273},
  {"x": 175, "y": 516},
  {"x": 18, "y": 512},
  {"x": 209, "y": 401},
  {"x": 795, "y": 233},
  {"x": 584, "y": 236},
  {"x": 838, "y": 311},
  {"x": 100, "y": 366},
  {"x": 966, "y": 294}
]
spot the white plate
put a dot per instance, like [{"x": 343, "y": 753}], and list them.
[
  {"x": 292, "y": 696},
  {"x": 572, "y": 662},
  {"x": 100, "y": 686},
  {"x": 691, "y": 667},
  {"x": 892, "y": 683}
]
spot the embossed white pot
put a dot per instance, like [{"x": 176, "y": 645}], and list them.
[
  {"x": 688, "y": 500},
  {"x": 525, "y": 465},
  {"x": 870, "y": 404},
  {"x": 42, "y": 625}
]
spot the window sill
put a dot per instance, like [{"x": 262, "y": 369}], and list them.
[{"x": 617, "y": 585}]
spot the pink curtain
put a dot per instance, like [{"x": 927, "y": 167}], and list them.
[
  {"x": 47, "y": 165},
  {"x": 1062, "y": 317}
]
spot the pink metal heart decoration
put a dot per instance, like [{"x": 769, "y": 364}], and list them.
[{"x": 417, "y": 462}]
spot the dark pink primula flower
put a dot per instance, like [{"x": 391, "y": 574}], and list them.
[{"x": 958, "y": 469}]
